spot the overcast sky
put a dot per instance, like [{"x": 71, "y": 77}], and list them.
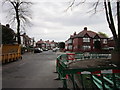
[{"x": 51, "y": 21}]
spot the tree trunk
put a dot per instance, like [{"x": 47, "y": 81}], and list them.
[
  {"x": 18, "y": 31},
  {"x": 109, "y": 16},
  {"x": 118, "y": 18},
  {"x": 115, "y": 57},
  {"x": 116, "y": 54},
  {"x": 18, "y": 23},
  {"x": 112, "y": 25}
]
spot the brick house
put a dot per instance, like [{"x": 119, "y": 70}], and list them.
[
  {"x": 26, "y": 41},
  {"x": 10, "y": 37},
  {"x": 7, "y": 34},
  {"x": 69, "y": 43},
  {"x": 53, "y": 44},
  {"x": 46, "y": 44},
  {"x": 41, "y": 44},
  {"x": 84, "y": 41}
]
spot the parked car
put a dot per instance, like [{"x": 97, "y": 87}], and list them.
[
  {"x": 45, "y": 49},
  {"x": 55, "y": 49},
  {"x": 37, "y": 50}
]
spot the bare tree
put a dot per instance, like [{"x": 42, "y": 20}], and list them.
[
  {"x": 111, "y": 23},
  {"x": 19, "y": 13}
]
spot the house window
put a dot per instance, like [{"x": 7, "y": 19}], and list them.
[
  {"x": 95, "y": 40},
  {"x": 75, "y": 47},
  {"x": 86, "y": 39},
  {"x": 70, "y": 47},
  {"x": 22, "y": 40},
  {"x": 105, "y": 41},
  {"x": 70, "y": 41},
  {"x": 86, "y": 47}
]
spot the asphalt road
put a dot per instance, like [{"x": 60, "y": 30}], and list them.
[{"x": 33, "y": 71}]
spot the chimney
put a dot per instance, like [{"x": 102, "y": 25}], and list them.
[
  {"x": 24, "y": 33},
  {"x": 85, "y": 28},
  {"x": 71, "y": 35},
  {"x": 7, "y": 25},
  {"x": 40, "y": 39},
  {"x": 74, "y": 33}
]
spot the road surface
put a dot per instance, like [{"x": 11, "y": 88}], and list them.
[{"x": 35, "y": 70}]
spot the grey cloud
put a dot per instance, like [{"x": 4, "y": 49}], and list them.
[
  {"x": 77, "y": 20},
  {"x": 51, "y": 22},
  {"x": 55, "y": 14}
]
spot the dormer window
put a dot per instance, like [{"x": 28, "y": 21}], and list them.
[{"x": 86, "y": 39}]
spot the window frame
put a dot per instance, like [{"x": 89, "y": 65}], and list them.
[
  {"x": 86, "y": 39},
  {"x": 86, "y": 47}
]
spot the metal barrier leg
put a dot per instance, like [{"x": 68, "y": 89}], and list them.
[
  {"x": 81, "y": 77},
  {"x": 91, "y": 78},
  {"x": 58, "y": 77},
  {"x": 73, "y": 81},
  {"x": 64, "y": 83},
  {"x": 114, "y": 81},
  {"x": 103, "y": 84}
]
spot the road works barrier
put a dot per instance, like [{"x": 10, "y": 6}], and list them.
[
  {"x": 10, "y": 53},
  {"x": 86, "y": 78}
]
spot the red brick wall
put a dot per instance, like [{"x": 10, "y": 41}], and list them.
[
  {"x": 111, "y": 43},
  {"x": 75, "y": 44},
  {"x": 80, "y": 44},
  {"x": 92, "y": 44}
]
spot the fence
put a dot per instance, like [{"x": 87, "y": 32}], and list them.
[{"x": 86, "y": 78}]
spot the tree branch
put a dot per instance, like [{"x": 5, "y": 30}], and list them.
[
  {"x": 106, "y": 12},
  {"x": 72, "y": 3},
  {"x": 111, "y": 20}
]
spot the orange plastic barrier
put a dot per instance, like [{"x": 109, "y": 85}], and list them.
[{"x": 10, "y": 53}]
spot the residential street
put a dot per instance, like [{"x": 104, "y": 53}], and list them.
[
  {"x": 60, "y": 45},
  {"x": 35, "y": 70}
]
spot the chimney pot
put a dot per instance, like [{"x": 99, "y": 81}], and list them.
[
  {"x": 74, "y": 33},
  {"x": 7, "y": 25},
  {"x": 85, "y": 28}
]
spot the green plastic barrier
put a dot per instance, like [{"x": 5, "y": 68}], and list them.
[{"x": 103, "y": 81}]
